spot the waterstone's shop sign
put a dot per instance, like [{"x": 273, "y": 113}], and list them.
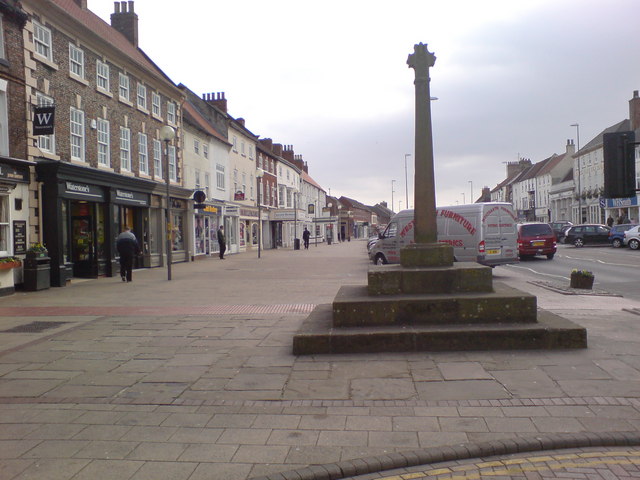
[
  {"x": 83, "y": 191},
  {"x": 131, "y": 198}
]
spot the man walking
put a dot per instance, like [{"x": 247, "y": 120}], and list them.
[
  {"x": 305, "y": 237},
  {"x": 127, "y": 246},
  {"x": 222, "y": 241}
]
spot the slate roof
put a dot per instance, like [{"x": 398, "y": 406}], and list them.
[{"x": 191, "y": 115}]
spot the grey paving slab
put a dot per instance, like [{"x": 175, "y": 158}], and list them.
[
  {"x": 461, "y": 389},
  {"x": 105, "y": 449},
  {"x": 165, "y": 471},
  {"x": 463, "y": 371}
]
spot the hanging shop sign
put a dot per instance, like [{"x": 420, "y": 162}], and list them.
[
  {"x": 15, "y": 173},
  {"x": 199, "y": 197},
  {"x": 44, "y": 119}
]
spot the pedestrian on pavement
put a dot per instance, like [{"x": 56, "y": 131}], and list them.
[
  {"x": 128, "y": 247},
  {"x": 610, "y": 221},
  {"x": 305, "y": 237},
  {"x": 222, "y": 241}
]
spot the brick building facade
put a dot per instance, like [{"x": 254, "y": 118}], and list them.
[{"x": 106, "y": 165}]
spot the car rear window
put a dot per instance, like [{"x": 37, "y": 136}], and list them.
[{"x": 536, "y": 229}]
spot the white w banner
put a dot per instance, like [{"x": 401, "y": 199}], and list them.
[{"x": 43, "y": 120}]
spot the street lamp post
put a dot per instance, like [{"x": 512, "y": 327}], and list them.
[
  {"x": 464, "y": 200},
  {"x": 259, "y": 175},
  {"x": 577, "y": 125},
  {"x": 167, "y": 134},
  {"x": 406, "y": 181},
  {"x": 471, "y": 198},
  {"x": 392, "y": 190}
]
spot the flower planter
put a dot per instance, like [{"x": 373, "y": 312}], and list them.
[
  {"x": 581, "y": 281},
  {"x": 9, "y": 265}
]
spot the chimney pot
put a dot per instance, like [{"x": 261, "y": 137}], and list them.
[{"x": 126, "y": 22}]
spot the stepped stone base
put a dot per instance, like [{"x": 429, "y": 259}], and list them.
[
  {"x": 318, "y": 336},
  {"x": 461, "y": 277},
  {"x": 353, "y": 307}
]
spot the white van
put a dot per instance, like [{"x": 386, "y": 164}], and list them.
[{"x": 480, "y": 232}]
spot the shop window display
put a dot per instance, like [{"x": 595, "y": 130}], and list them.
[{"x": 177, "y": 234}]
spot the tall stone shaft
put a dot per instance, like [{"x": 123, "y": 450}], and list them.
[{"x": 425, "y": 230}]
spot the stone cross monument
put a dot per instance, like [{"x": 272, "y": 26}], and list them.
[{"x": 426, "y": 251}]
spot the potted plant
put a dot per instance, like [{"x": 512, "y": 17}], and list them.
[
  {"x": 582, "y": 279},
  {"x": 37, "y": 250},
  {"x": 37, "y": 269},
  {"x": 7, "y": 263}
]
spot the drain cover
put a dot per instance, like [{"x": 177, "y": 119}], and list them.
[{"x": 34, "y": 327}]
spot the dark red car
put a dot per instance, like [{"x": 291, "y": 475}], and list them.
[{"x": 536, "y": 239}]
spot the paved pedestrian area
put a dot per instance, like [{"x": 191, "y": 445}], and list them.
[{"x": 194, "y": 379}]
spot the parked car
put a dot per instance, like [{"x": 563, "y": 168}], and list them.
[
  {"x": 632, "y": 237},
  {"x": 536, "y": 239},
  {"x": 616, "y": 235},
  {"x": 559, "y": 228},
  {"x": 587, "y": 234}
]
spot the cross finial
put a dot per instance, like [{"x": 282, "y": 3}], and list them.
[{"x": 421, "y": 60}]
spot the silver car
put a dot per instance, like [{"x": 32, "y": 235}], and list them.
[{"x": 632, "y": 238}]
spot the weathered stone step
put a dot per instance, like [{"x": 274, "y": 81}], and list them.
[
  {"x": 354, "y": 307},
  {"x": 461, "y": 277},
  {"x": 318, "y": 336}
]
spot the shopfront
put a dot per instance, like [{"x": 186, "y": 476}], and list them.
[
  {"x": 248, "y": 228},
  {"x": 205, "y": 227},
  {"x": 14, "y": 218},
  {"x": 83, "y": 211},
  {"x": 232, "y": 228}
]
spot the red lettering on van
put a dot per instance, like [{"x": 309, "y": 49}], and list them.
[
  {"x": 407, "y": 228},
  {"x": 453, "y": 243},
  {"x": 456, "y": 217},
  {"x": 510, "y": 213},
  {"x": 489, "y": 212}
]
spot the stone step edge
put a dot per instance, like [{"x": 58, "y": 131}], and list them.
[
  {"x": 553, "y": 332},
  {"x": 464, "y": 451}
]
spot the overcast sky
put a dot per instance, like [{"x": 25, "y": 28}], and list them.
[{"x": 331, "y": 79}]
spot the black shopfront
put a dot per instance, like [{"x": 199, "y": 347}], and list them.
[{"x": 83, "y": 211}]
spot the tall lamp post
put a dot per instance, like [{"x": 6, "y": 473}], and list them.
[
  {"x": 577, "y": 125},
  {"x": 259, "y": 175},
  {"x": 471, "y": 198},
  {"x": 406, "y": 182},
  {"x": 167, "y": 134},
  {"x": 392, "y": 190}
]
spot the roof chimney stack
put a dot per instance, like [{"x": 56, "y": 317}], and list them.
[
  {"x": 216, "y": 99},
  {"x": 634, "y": 111},
  {"x": 124, "y": 20},
  {"x": 81, "y": 3}
]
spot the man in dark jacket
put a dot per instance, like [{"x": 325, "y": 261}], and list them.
[
  {"x": 222, "y": 242},
  {"x": 305, "y": 237},
  {"x": 128, "y": 247}
]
